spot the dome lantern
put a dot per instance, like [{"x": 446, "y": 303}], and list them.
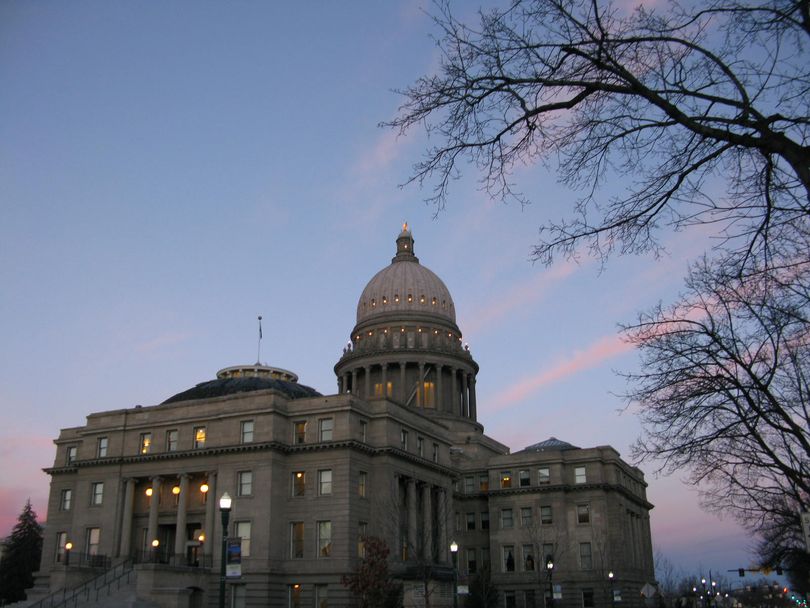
[{"x": 405, "y": 246}]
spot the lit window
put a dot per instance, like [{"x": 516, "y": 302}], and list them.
[
  {"x": 70, "y": 455},
  {"x": 241, "y": 530},
  {"x": 97, "y": 493},
  {"x": 420, "y": 446},
  {"x": 326, "y": 425},
  {"x": 247, "y": 431},
  {"x": 485, "y": 520},
  {"x": 579, "y": 475},
  {"x": 295, "y": 596},
  {"x": 362, "y": 482},
  {"x": 469, "y": 485},
  {"x": 325, "y": 482},
  {"x": 300, "y": 432},
  {"x": 545, "y": 514},
  {"x": 65, "y": 500},
  {"x": 297, "y": 539},
  {"x": 362, "y": 533},
  {"x": 429, "y": 393},
  {"x": 321, "y": 596},
  {"x": 585, "y": 558},
  {"x": 507, "y": 520},
  {"x": 525, "y": 516},
  {"x": 101, "y": 450},
  {"x": 434, "y": 301},
  {"x": 435, "y": 452},
  {"x": 171, "y": 440},
  {"x": 299, "y": 482},
  {"x": 524, "y": 478},
  {"x": 93, "y": 539},
  {"x": 508, "y": 558},
  {"x": 145, "y": 444},
  {"x": 472, "y": 565},
  {"x": 245, "y": 483},
  {"x": 410, "y": 298},
  {"x": 324, "y": 538},
  {"x": 506, "y": 479},
  {"x": 583, "y": 514},
  {"x": 396, "y": 298},
  {"x": 543, "y": 475},
  {"x": 528, "y": 558},
  {"x": 422, "y": 299},
  {"x": 199, "y": 437},
  {"x": 470, "y": 521},
  {"x": 385, "y": 300},
  {"x": 403, "y": 439}
]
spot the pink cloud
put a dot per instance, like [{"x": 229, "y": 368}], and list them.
[{"x": 601, "y": 350}]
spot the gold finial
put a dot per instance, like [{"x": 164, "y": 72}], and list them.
[{"x": 405, "y": 227}]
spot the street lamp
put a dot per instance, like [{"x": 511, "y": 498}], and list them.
[
  {"x": 155, "y": 545},
  {"x": 550, "y": 570},
  {"x": 454, "y": 554},
  {"x": 225, "y": 510},
  {"x": 703, "y": 595},
  {"x": 68, "y": 547},
  {"x": 612, "y": 594}
]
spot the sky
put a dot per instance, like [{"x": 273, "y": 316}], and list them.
[{"x": 171, "y": 170}]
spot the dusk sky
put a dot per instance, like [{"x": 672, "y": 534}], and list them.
[{"x": 171, "y": 170}]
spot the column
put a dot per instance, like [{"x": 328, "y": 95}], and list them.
[
  {"x": 442, "y": 515},
  {"x": 385, "y": 380},
  {"x": 154, "y": 500},
  {"x": 439, "y": 401},
  {"x": 402, "y": 394},
  {"x": 410, "y": 498},
  {"x": 126, "y": 524},
  {"x": 345, "y": 382},
  {"x": 368, "y": 394},
  {"x": 354, "y": 382},
  {"x": 454, "y": 389},
  {"x": 180, "y": 531},
  {"x": 465, "y": 390},
  {"x": 473, "y": 408},
  {"x": 420, "y": 393},
  {"x": 427, "y": 523},
  {"x": 210, "y": 505}
]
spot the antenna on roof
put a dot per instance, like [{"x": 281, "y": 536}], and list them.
[{"x": 259, "y": 354}]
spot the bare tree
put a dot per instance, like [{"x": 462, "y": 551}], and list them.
[
  {"x": 724, "y": 392},
  {"x": 665, "y": 99}
]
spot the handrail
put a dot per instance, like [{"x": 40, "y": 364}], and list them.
[{"x": 95, "y": 586}]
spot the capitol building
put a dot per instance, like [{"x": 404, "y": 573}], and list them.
[{"x": 396, "y": 452}]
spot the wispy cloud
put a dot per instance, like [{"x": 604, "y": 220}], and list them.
[{"x": 162, "y": 341}]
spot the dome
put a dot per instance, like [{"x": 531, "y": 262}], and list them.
[
  {"x": 552, "y": 443},
  {"x": 405, "y": 286}
]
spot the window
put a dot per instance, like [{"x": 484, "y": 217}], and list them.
[
  {"x": 297, "y": 539},
  {"x": 472, "y": 565},
  {"x": 93, "y": 539},
  {"x": 508, "y": 558},
  {"x": 469, "y": 485},
  {"x": 299, "y": 432},
  {"x": 199, "y": 437},
  {"x": 430, "y": 393},
  {"x": 378, "y": 390},
  {"x": 241, "y": 530},
  {"x": 579, "y": 475},
  {"x": 506, "y": 479},
  {"x": 587, "y": 598},
  {"x": 325, "y": 427},
  {"x": 545, "y": 515},
  {"x": 483, "y": 483},
  {"x": 325, "y": 482},
  {"x": 65, "y": 500},
  {"x": 583, "y": 514},
  {"x": 485, "y": 520},
  {"x": 362, "y": 533},
  {"x": 506, "y": 518},
  {"x": 299, "y": 481},
  {"x": 70, "y": 455},
  {"x": 362, "y": 483},
  {"x": 420, "y": 446},
  {"x": 244, "y": 483},
  {"x": 171, "y": 440},
  {"x": 509, "y": 599},
  {"x": 585, "y": 558},
  {"x": 525, "y": 516},
  {"x": 97, "y": 493},
  {"x": 101, "y": 448},
  {"x": 543, "y": 475},
  {"x": 485, "y": 556},
  {"x": 403, "y": 439},
  {"x": 528, "y": 558},
  {"x": 324, "y": 538},
  {"x": 61, "y": 541},
  {"x": 363, "y": 431},
  {"x": 435, "y": 452},
  {"x": 548, "y": 552},
  {"x": 247, "y": 431},
  {"x": 145, "y": 443},
  {"x": 321, "y": 596},
  {"x": 295, "y": 596},
  {"x": 528, "y": 598},
  {"x": 524, "y": 478},
  {"x": 470, "y": 521},
  {"x": 238, "y": 595}
]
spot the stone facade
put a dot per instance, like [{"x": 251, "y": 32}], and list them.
[{"x": 396, "y": 453}]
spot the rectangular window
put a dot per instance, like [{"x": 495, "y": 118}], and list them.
[
  {"x": 470, "y": 521},
  {"x": 297, "y": 539},
  {"x": 528, "y": 558},
  {"x": 525, "y": 516},
  {"x": 585, "y": 558},
  {"x": 420, "y": 446},
  {"x": 430, "y": 393},
  {"x": 97, "y": 493},
  {"x": 245, "y": 483},
  {"x": 101, "y": 448},
  {"x": 61, "y": 541},
  {"x": 321, "y": 596},
  {"x": 92, "y": 540},
  {"x": 545, "y": 515},
  {"x": 472, "y": 565},
  {"x": 363, "y": 431},
  {"x": 325, "y": 426},
  {"x": 378, "y": 390},
  {"x": 435, "y": 452},
  {"x": 247, "y": 431},
  {"x": 506, "y": 479},
  {"x": 238, "y": 596},
  {"x": 325, "y": 482},
  {"x": 241, "y": 530},
  {"x": 295, "y": 596},
  {"x": 579, "y": 475},
  {"x": 362, "y": 483},
  {"x": 145, "y": 443},
  {"x": 199, "y": 437},
  {"x": 543, "y": 475},
  {"x": 324, "y": 538},
  {"x": 403, "y": 439},
  {"x": 171, "y": 440},
  {"x": 548, "y": 552},
  {"x": 507, "y": 520},
  {"x": 524, "y": 478},
  {"x": 508, "y": 558},
  {"x": 299, "y": 482},
  {"x": 485, "y": 520},
  {"x": 299, "y": 432},
  {"x": 583, "y": 514},
  {"x": 70, "y": 455},
  {"x": 509, "y": 599},
  {"x": 469, "y": 485},
  {"x": 362, "y": 533},
  {"x": 587, "y": 598},
  {"x": 483, "y": 483},
  {"x": 65, "y": 500}
]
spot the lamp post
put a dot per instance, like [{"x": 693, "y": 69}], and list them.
[
  {"x": 454, "y": 554},
  {"x": 612, "y": 594},
  {"x": 68, "y": 547},
  {"x": 550, "y": 570},
  {"x": 225, "y": 510},
  {"x": 704, "y": 596},
  {"x": 155, "y": 545}
]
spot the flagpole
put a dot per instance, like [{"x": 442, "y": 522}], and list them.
[{"x": 259, "y": 353}]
